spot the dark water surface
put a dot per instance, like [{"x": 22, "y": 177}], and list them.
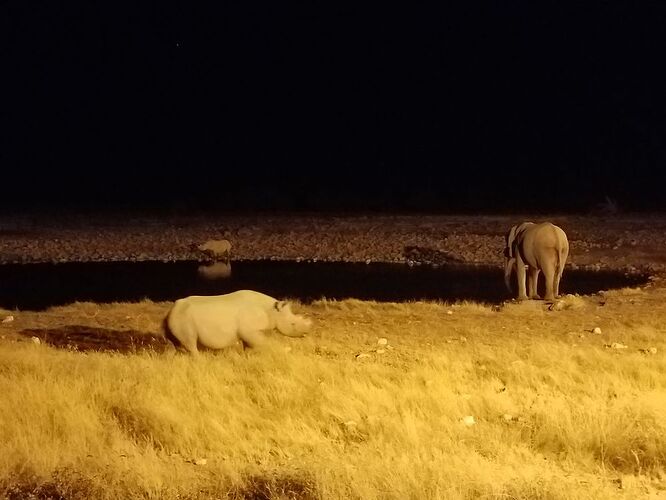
[{"x": 38, "y": 286}]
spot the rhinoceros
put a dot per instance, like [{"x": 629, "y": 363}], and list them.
[
  {"x": 219, "y": 321},
  {"x": 216, "y": 249}
]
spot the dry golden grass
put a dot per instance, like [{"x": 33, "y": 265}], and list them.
[{"x": 101, "y": 409}]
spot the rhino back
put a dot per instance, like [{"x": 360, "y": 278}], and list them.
[{"x": 250, "y": 297}]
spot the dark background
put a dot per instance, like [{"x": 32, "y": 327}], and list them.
[{"x": 473, "y": 107}]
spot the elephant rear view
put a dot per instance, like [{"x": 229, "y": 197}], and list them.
[{"x": 540, "y": 247}]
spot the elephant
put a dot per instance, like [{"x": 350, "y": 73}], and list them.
[{"x": 540, "y": 247}]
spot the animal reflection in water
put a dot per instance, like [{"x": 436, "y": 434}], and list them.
[{"x": 215, "y": 271}]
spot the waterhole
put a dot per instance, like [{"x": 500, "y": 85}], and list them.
[{"x": 39, "y": 286}]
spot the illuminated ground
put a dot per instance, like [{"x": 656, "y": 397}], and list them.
[{"x": 627, "y": 242}]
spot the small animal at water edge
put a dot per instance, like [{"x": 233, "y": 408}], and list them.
[
  {"x": 216, "y": 249},
  {"x": 539, "y": 247},
  {"x": 219, "y": 321}
]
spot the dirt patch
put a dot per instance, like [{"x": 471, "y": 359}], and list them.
[
  {"x": 275, "y": 487},
  {"x": 64, "y": 484},
  {"x": 424, "y": 255},
  {"x": 87, "y": 338}
]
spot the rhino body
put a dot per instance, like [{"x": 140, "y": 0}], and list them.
[
  {"x": 219, "y": 321},
  {"x": 216, "y": 249}
]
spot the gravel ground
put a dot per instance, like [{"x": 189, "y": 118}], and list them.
[{"x": 633, "y": 243}]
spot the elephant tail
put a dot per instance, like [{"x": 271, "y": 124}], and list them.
[{"x": 561, "y": 260}]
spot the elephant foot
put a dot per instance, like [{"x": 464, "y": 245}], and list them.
[
  {"x": 522, "y": 298},
  {"x": 536, "y": 296}
]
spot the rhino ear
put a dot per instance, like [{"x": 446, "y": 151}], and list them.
[{"x": 279, "y": 305}]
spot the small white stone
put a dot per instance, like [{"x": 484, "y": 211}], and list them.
[
  {"x": 362, "y": 355},
  {"x": 36, "y": 341},
  {"x": 507, "y": 417},
  {"x": 652, "y": 350},
  {"x": 382, "y": 341},
  {"x": 628, "y": 482},
  {"x": 468, "y": 420},
  {"x": 463, "y": 339},
  {"x": 449, "y": 312},
  {"x": 8, "y": 319},
  {"x": 597, "y": 330},
  {"x": 380, "y": 351},
  {"x": 200, "y": 461}
]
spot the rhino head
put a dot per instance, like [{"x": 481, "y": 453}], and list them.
[{"x": 288, "y": 323}]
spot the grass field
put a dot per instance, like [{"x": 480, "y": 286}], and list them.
[{"x": 463, "y": 401}]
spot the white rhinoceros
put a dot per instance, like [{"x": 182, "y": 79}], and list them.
[{"x": 219, "y": 321}]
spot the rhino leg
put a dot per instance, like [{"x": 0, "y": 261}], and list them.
[
  {"x": 191, "y": 347},
  {"x": 188, "y": 340},
  {"x": 251, "y": 338}
]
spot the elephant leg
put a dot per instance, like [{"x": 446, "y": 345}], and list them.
[
  {"x": 521, "y": 275},
  {"x": 549, "y": 274},
  {"x": 532, "y": 283},
  {"x": 556, "y": 284}
]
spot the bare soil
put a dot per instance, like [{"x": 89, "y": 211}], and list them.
[{"x": 630, "y": 242}]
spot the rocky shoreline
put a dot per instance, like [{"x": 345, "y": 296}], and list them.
[{"x": 631, "y": 243}]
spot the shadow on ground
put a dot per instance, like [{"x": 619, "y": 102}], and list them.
[
  {"x": 269, "y": 488},
  {"x": 89, "y": 338},
  {"x": 69, "y": 484}
]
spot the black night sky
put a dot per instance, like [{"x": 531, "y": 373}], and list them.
[{"x": 493, "y": 106}]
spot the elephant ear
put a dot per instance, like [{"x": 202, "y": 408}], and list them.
[{"x": 510, "y": 238}]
